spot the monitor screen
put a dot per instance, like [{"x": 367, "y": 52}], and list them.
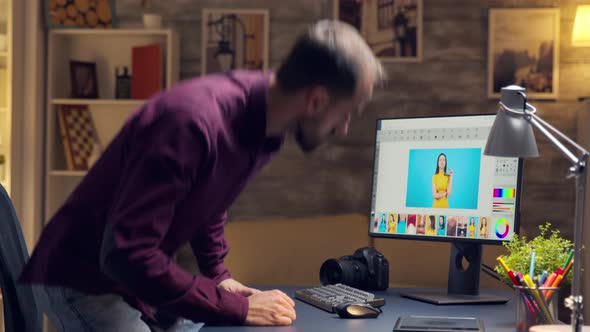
[{"x": 431, "y": 181}]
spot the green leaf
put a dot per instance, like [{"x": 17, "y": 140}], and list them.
[{"x": 550, "y": 249}]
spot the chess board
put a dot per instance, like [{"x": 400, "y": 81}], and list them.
[{"x": 78, "y": 135}]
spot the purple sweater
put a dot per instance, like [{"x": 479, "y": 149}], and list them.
[{"x": 166, "y": 179}]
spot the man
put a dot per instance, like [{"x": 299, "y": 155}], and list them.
[{"x": 168, "y": 178}]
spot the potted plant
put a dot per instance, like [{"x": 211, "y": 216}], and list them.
[
  {"x": 151, "y": 20},
  {"x": 551, "y": 253}
]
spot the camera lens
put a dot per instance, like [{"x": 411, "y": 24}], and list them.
[
  {"x": 348, "y": 272},
  {"x": 331, "y": 272}
]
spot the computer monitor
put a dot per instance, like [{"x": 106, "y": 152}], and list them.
[{"x": 432, "y": 182}]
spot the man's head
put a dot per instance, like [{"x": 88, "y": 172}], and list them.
[{"x": 330, "y": 72}]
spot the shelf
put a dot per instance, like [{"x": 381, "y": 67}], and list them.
[
  {"x": 67, "y": 173},
  {"x": 115, "y": 102},
  {"x": 112, "y": 32},
  {"x": 3, "y": 54}
]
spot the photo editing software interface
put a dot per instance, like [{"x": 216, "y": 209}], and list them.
[{"x": 431, "y": 180}]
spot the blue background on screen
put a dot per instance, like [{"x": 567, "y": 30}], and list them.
[{"x": 466, "y": 166}]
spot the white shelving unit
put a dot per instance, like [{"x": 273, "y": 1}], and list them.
[
  {"x": 108, "y": 49},
  {"x": 6, "y": 82},
  {"x": 6, "y": 95},
  {"x": 103, "y": 102}
]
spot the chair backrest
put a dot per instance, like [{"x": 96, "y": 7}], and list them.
[{"x": 21, "y": 312}]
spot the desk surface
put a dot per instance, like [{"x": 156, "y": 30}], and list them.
[{"x": 496, "y": 317}]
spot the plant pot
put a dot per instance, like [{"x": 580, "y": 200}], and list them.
[{"x": 152, "y": 21}]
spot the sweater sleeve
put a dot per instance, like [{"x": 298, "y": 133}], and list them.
[{"x": 160, "y": 167}]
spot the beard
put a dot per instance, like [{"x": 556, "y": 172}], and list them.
[{"x": 305, "y": 143}]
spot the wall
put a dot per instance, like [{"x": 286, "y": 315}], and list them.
[
  {"x": 451, "y": 79},
  {"x": 293, "y": 255},
  {"x": 335, "y": 180}
]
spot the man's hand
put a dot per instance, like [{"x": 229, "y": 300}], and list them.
[
  {"x": 234, "y": 286},
  {"x": 270, "y": 308}
]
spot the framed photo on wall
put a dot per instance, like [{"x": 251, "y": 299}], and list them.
[
  {"x": 523, "y": 49},
  {"x": 392, "y": 28},
  {"x": 234, "y": 39},
  {"x": 84, "y": 82}
]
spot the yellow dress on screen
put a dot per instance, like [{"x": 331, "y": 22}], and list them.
[
  {"x": 392, "y": 225},
  {"x": 441, "y": 182},
  {"x": 430, "y": 231},
  {"x": 471, "y": 230}
]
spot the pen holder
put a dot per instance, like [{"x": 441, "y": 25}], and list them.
[{"x": 536, "y": 306}]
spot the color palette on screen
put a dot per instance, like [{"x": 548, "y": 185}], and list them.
[
  {"x": 504, "y": 192},
  {"x": 502, "y": 228}
]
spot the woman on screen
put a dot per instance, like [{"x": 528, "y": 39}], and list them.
[
  {"x": 391, "y": 223},
  {"x": 420, "y": 224},
  {"x": 401, "y": 224},
  {"x": 441, "y": 226},
  {"x": 383, "y": 224},
  {"x": 430, "y": 225},
  {"x": 471, "y": 228},
  {"x": 483, "y": 227},
  {"x": 442, "y": 183}
]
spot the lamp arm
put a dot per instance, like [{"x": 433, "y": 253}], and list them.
[{"x": 534, "y": 120}]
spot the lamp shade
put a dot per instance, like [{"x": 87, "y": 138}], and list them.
[
  {"x": 581, "y": 32},
  {"x": 511, "y": 134}
]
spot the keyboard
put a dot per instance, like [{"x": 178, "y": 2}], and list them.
[{"x": 329, "y": 297}]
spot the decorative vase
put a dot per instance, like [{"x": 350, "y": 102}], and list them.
[{"x": 152, "y": 21}]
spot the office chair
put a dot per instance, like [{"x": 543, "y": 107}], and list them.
[{"x": 21, "y": 310}]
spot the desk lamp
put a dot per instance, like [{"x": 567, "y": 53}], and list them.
[{"x": 512, "y": 136}]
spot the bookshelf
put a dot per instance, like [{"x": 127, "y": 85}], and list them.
[{"x": 108, "y": 49}]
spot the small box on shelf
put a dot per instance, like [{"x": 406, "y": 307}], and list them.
[{"x": 123, "y": 83}]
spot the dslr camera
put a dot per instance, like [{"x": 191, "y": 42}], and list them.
[{"x": 366, "y": 269}]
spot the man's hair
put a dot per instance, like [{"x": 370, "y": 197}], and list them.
[{"x": 331, "y": 54}]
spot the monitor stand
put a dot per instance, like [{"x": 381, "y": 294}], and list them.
[{"x": 463, "y": 287}]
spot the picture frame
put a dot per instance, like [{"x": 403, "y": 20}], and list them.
[
  {"x": 83, "y": 79},
  {"x": 234, "y": 39},
  {"x": 393, "y": 29},
  {"x": 523, "y": 49},
  {"x": 90, "y": 14}
]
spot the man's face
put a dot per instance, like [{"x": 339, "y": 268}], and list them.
[{"x": 331, "y": 119}]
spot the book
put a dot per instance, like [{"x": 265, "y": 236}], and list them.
[
  {"x": 146, "y": 71},
  {"x": 78, "y": 135}
]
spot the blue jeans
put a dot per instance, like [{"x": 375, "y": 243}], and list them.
[{"x": 72, "y": 311}]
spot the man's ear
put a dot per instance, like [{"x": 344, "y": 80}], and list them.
[{"x": 317, "y": 98}]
